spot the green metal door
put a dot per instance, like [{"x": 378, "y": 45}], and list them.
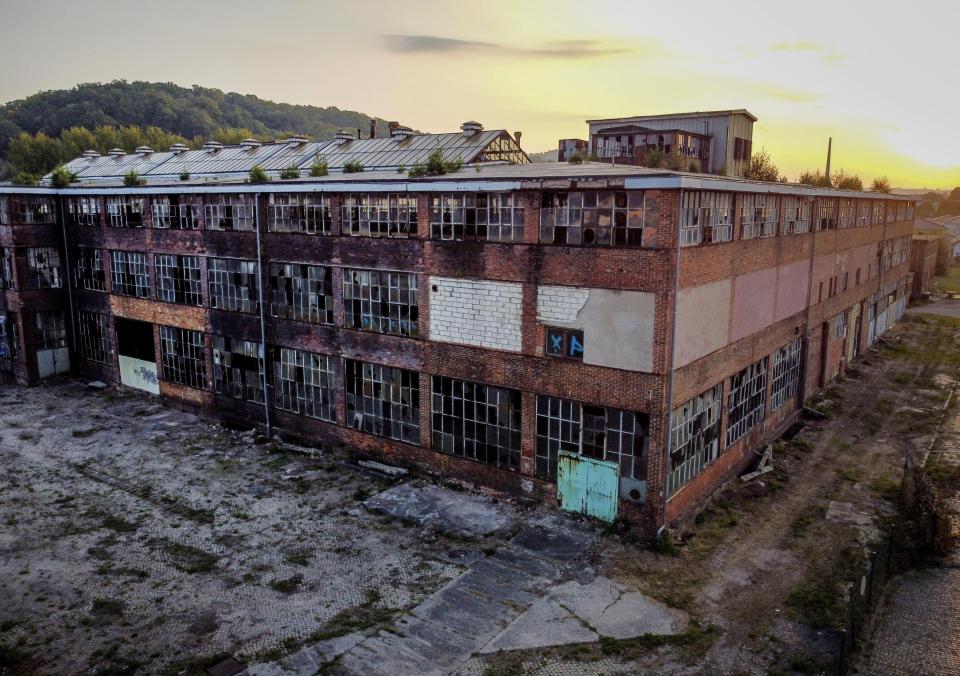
[{"x": 588, "y": 486}]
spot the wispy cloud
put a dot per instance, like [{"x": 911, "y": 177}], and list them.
[
  {"x": 559, "y": 49},
  {"x": 825, "y": 53}
]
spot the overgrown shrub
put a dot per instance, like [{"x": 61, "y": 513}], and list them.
[
  {"x": 293, "y": 171},
  {"x": 61, "y": 177},
  {"x": 132, "y": 178},
  {"x": 352, "y": 167},
  {"x": 319, "y": 166},
  {"x": 258, "y": 175}
]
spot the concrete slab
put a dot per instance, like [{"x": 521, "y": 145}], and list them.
[
  {"x": 558, "y": 545},
  {"x": 545, "y": 624},
  {"x": 448, "y": 511},
  {"x": 613, "y": 610}
]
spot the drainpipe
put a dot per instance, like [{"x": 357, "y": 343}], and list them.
[
  {"x": 805, "y": 353},
  {"x": 68, "y": 281},
  {"x": 673, "y": 346},
  {"x": 263, "y": 321}
]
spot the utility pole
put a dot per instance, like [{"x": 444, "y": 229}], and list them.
[{"x": 829, "y": 150}]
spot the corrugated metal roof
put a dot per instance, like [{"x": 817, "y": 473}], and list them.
[{"x": 376, "y": 153}]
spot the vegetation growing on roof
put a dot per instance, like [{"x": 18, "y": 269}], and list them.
[
  {"x": 133, "y": 178},
  {"x": 184, "y": 175},
  {"x": 436, "y": 164},
  {"x": 61, "y": 177},
  {"x": 258, "y": 175},
  {"x": 292, "y": 171},
  {"x": 319, "y": 166},
  {"x": 352, "y": 167}
]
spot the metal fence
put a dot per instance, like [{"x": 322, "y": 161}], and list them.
[{"x": 862, "y": 595}]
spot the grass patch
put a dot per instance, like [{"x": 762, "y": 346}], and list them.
[
  {"x": 190, "y": 559},
  {"x": 695, "y": 641},
  {"x": 941, "y": 472},
  {"x": 359, "y": 618},
  {"x": 287, "y": 585},
  {"x": 818, "y": 600},
  {"x": 802, "y": 524},
  {"x": 851, "y": 474},
  {"x": 300, "y": 557}
]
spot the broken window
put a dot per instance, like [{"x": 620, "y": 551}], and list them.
[
  {"x": 43, "y": 268},
  {"x": 6, "y": 269},
  {"x": 125, "y": 212},
  {"x": 89, "y": 269},
  {"x": 759, "y": 214},
  {"x": 380, "y": 301},
  {"x": 183, "y": 355},
  {"x": 178, "y": 279},
  {"x": 476, "y": 421},
  {"x": 495, "y": 217},
  {"x": 592, "y": 218},
  {"x": 174, "y": 212},
  {"x": 786, "y": 374},
  {"x": 234, "y": 284},
  {"x": 694, "y": 437},
  {"x": 96, "y": 343},
  {"x": 84, "y": 210},
  {"x": 301, "y": 292},
  {"x": 308, "y": 214},
  {"x": 864, "y": 211},
  {"x": 9, "y": 336},
  {"x": 742, "y": 148},
  {"x": 303, "y": 383},
  {"x": 35, "y": 211},
  {"x": 230, "y": 212},
  {"x": 796, "y": 214},
  {"x": 51, "y": 330},
  {"x": 380, "y": 215},
  {"x": 745, "y": 403},
  {"x": 597, "y": 432},
  {"x": 891, "y": 211},
  {"x": 877, "y": 211},
  {"x": 383, "y": 400},
  {"x": 826, "y": 213},
  {"x": 901, "y": 211},
  {"x": 706, "y": 217},
  {"x": 848, "y": 212},
  {"x": 238, "y": 368},
  {"x": 130, "y": 273}
]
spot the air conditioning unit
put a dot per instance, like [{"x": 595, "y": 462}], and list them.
[{"x": 633, "y": 490}]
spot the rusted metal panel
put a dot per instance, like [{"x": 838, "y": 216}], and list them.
[{"x": 588, "y": 486}]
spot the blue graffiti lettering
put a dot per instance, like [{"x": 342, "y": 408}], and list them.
[{"x": 576, "y": 347}]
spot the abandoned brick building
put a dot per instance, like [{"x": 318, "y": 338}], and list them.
[{"x": 619, "y": 339}]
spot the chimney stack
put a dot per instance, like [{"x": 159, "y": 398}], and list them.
[
  {"x": 391, "y": 126},
  {"x": 517, "y": 135},
  {"x": 373, "y": 129}
]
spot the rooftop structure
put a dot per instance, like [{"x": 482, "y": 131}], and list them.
[
  {"x": 710, "y": 142},
  {"x": 403, "y": 148}
]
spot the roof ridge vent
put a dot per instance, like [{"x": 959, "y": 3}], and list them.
[
  {"x": 471, "y": 127},
  {"x": 401, "y": 132},
  {"x": 143, "y": 150},
  {"x": 250, "y": 143},
  {"x": 116, "y": 152},
  {"x": 297, "y": 139},
  {"x": 343, "y": 136},
  {"x": 91, "y": 154},
  {"x": 179, "y": 147},
  {"x": 212, "y": 146}
]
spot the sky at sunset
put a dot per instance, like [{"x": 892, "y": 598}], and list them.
[{"x": 883, "y": 79}]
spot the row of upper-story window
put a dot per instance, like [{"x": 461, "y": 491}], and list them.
[
  {"x": 573, "y": 218},
  {"x": 470, "y": 420},
  {"x": 711, "y": 217},
  {"x": 373, "y": 300}
]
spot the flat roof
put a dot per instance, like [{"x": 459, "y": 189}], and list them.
[
  {"x": 703, "y": 113},
  {"x": 483, "y": 177}
]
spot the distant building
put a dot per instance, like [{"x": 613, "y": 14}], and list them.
[
  {"x": 923, "y": 265},
  {"x": 715, "y": 142},
  {"x": 945, "y": 232}
]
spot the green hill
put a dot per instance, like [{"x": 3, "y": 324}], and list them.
[{"x": 40, "y": 131}]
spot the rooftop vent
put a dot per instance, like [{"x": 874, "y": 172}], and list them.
[
  {"x": 115, "y": 152},
  {"x": 143, "y": 150},
  {"x": 250, "y": 143},
  {"x": 179, "y": 148},
  {"x": 470, "y": 128},
  {"x": 212, "y": 146},
  {"x": 343, "y": 136},
  {"x": 298, "y": 139},
  {"x": 90, "y": 154},
  {"x": 400, "y": 132}
]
